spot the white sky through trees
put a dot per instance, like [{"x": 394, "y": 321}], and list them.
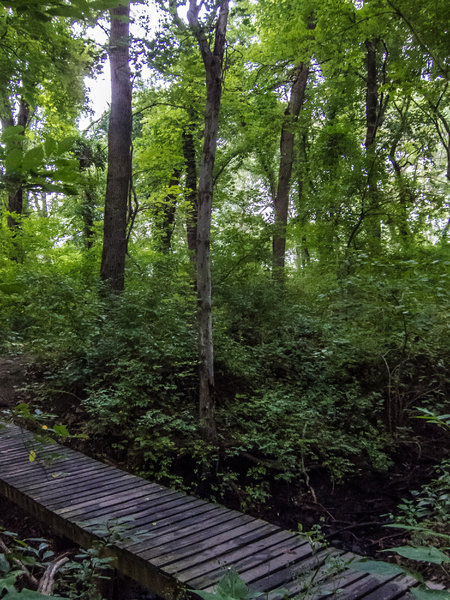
[{"x": 99, "y": 87}]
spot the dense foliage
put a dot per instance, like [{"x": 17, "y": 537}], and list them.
[{"x": 321, "y": 370}]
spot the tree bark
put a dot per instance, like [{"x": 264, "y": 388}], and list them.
[
  {"x": 281, "y": 204},
  {"x": 371, "y": 93},
  {"x": 119, "y": 153},
  {"x": 375, "y": 108},
  {"x": 213, "y": 62},
  {"x": 15, "y": 196}
]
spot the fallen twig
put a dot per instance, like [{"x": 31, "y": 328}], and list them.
[
  {"x": 47, "y": 582},
  {"x": 31, "y": 578}
]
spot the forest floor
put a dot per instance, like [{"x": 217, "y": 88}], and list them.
[{"x": 351, "y": 516}]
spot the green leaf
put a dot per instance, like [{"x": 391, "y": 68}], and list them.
[
  {"x": 378, "y": 567},
  {"x": 65, "y": 145},
  {"x": 22, "y": 410},
  {"x": 61, "y": 430},
  {"x": 230, "y": 587},
  {"x": 422, "y": 593},
  {"x": 33, "y": 158},
  {"x": 8, "y": 583},
  {"x": 13, "y": 159},
  {"x": 12, "y": 132},
  {"x": 422, "y": 553},
  {"x": 205, "y": 595},
  {"x": 28, "y": 595},
  {"x": 4, "y": 564},
  {"x": 105, "y": 4},
  {"x": 49, "y": 146},
  {"x": 420, "y": 529},
  {"x": 65, "y": 11}
]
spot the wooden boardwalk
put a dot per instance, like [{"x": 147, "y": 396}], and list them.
[{"x": 172, "y": 542}]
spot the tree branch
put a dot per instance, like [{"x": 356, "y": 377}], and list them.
[
  {"x": 410, "y": 26},
  {"x": 31, "y": 579}
]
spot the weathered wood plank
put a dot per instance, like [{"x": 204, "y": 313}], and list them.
[
  {"x": 149, "y": 523},
  {"x": 264, "y": 550},
  {"x": 337, "y": 583},
  {"x": 194, "y": 517},
  {"x": 282, "y": 567},
  {"x": 81, "y": 489},
  {"x": 361, "y": 587},
  {"x": 129, "y": 564},
  {"x": 220, "y": 544},
  {"x": 64, "y": 477},
  {"x": 72, "y": 499},
  {"x": 107, "y": 503},
  {"x": 391, "y": 590},
  {"x": 183, "y": 542},
  {"x": 310, "y": 580},
  {"x": 148, "y": 515},
  {"x": 194, "y": 534},
  {"x": 105, "y": 485}
]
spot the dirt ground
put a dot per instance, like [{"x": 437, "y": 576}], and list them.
[{"x": 13, "y": 374}]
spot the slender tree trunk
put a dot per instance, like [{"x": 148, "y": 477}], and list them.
[
  {"x": 87, "y": 213},
  {"x": 404, "y": 195},
  {"x": 15, "y": 196},
  {"x": 281, "y": 205},
  {"x": 373, "y": 118},
  {"x": 447, "y": 149},
  {"x": 166, "y": 215},
  {"x": 119, "y": 153},
  {"x": 44, "y": 208},
  {"x": 371, "y": 93},
  {"x": 14, "y": 183},
  {"x": 213, "y": 62}
]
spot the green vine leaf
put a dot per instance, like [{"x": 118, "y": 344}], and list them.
[{"x": 422, "y": 553}]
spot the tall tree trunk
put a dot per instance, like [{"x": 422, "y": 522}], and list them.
[
  {"x": 44, "y": 207},
  {"x": 281, "y": 205},
  {"x": 213, "y": 62},
  {"x": 371, "y": 93},
  {"x": 15, "y": 196},
  {"x": 374, "y": 113},
  {"x": 119, "y": 153},
  {"x": 14, "y": 183}
]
